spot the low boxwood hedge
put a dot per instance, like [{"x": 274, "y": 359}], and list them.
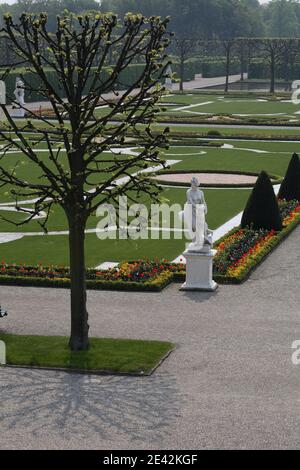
[{"x": 155, "y": 285}]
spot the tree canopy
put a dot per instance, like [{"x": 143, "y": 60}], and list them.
[
  {"x": 205, "y": 19},
  {"x": 85, "y": 167}
]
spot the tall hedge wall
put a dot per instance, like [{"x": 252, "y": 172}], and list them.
[
  {"x": 127, "y": 78},
  {"x": 259, "y": 69}
]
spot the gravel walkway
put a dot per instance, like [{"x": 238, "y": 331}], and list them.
[
  {"x": 198, "y": 83},
  {"x": 208, "y": 178},
  {"x": 230, "y": 383}
]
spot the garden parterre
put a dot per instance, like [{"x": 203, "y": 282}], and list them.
[
  {"x": 31, "y": 246},
  {"x": 238, "y": 253}
]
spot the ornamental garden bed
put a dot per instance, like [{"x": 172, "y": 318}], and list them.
[
  {"x": 238, "y": 253},
  {"x": 242, "y": 250},
  {"x": 141, "y": 275}
]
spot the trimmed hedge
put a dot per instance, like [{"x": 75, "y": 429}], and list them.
[
  {"x": 155, "y": 285},
  {"x": 232, "y": 120},
  {"x": 126, "y": 78},
  {"x": 259, "y": 69},
  {"x": 217, "y": 68},
  {"x": 262, "y": 210},
  {"x": 290, "y": 187}
]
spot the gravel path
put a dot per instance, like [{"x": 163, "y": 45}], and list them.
[
  {"x": 198, "y": 83},
  {"x": 230, "y": 383},
  {"x": 208, "y": 178}
]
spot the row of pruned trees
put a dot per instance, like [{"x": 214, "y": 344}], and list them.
[{"x": 272, "y": 51}]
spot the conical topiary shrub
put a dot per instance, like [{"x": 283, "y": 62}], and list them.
[
  {"x": 262, "y": 210},
  {"x": 290, "y": 188}
]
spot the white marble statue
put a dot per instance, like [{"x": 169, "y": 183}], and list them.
[
  {"x": 199, "y": 254},
  {"x": 168, "y": 81},
  {"x": 194, "y": 214},
  {"x": 20, "y": 98}
]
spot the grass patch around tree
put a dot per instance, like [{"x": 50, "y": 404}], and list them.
[{"x": 120, "y": 356}]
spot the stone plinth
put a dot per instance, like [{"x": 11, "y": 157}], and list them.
[
  {"x": 18, "y": 113},
  {"x": 2, "y": 353},
  {"x": 199, "y": 271}
]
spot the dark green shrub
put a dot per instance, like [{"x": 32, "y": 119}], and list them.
[
  {"x": 290, "y": 187},
  {"x": 262, "y": 210},
  {"x": 217, "y": 68},
  {"x": 214, "y": 133},
  {"x": 259, "y": 69}
]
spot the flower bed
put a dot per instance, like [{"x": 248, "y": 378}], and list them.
[
  {"x": 136, "y": 275},
  {"x": 238, "y": 253}
]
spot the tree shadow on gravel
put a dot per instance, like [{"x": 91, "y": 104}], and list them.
[{"x": 40, "y": 401}]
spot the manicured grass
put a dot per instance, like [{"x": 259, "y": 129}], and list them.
[
  {"x": 31, "y": 250},
  {"x": 272, "y": 157},
  {"x": 202, "y": 130},
  {"x": 248, "y": 156},
  {"x": 110, "y": 355},
  {"x": 213, "y": 104}
]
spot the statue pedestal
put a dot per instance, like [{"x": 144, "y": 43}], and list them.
[
  {"x": 18, "y": 113},
  {"x": 199, "y": 271},
  {"x": 2, "y": 353}
]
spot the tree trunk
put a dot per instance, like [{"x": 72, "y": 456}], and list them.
[
  {"x": 242, "y": 63},
  {"x": 181, "y": 74},
  {"x": 227, "y": 70},
  {"x": 79, "y": 315},
  {"x": 273, "y": 66}
]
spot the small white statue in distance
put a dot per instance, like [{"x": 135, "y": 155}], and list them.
[
  {"x": 194, "y": 214},
  {"x": 168, "y": 81},
  {"x": 20, "y": 98}
]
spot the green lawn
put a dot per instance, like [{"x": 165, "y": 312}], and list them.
[
  {"x": 47, "y": 249},
  {"x": 194, "y": 104},
  {"x": 107, "y": 355},
  {"x": 235, "y": 155},
  {"x": 272, "y": 157},
  {"x": 213, "y": 104},
  {"x": 202, "y": 130}
]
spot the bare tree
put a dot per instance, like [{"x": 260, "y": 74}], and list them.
[
  {"x": 273, "y": 51},
  {"x": 226, "y": 47},
  {"x": 290, "y": 55},
  {"x": 85, "y": 176},
  {"x": 184, "y": 48}
]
